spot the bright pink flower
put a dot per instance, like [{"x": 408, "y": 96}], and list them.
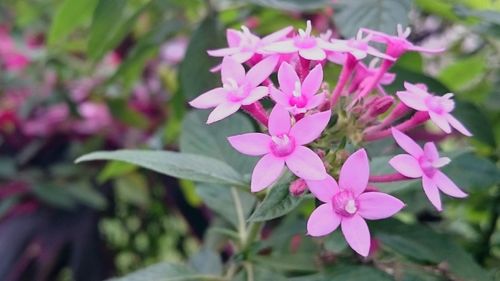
[
  {"x": 398, "y": 45},
  {"x": 285, "y": 144},
  {"x": 348, "y": 204},
  {"x": 358, "y": 48},
  {"x": 15, "y": 61},
  {"x": 438, "y": 107},
  {"x": 243, "y": 45},
  {"x": 237, "y": 88},
  {"x": 425, "y": 164},
  {"x": 308, "y": 46},
  {"x": 298, "y": 97}
]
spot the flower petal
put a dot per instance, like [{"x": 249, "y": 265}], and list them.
[
  {"x": 255, "y": 95},
  {"x": 279, "y": 121},
  {"x": 310, "y": 127},
  {"x": 458, "y": 125},
  {"x": 431, "y": 151},
  {"x": 378, "y": 205},
  {"x": 313, "y": 81},
  {"x": 222, "y": 111},
  {"x": 278, "y": 35},
  {"x": 233, "y": 37},
  {"x": 412, "y": 100},
  {"x": 322, "y": 221},
  {"x": 251, "y": 144},
  {"x": 267, "y": 171},
  {"x": 287, "y": 77},
  {"x": 232, "y": 70},
  {"x": 279, "y": 97},
  {"x": 242, "y": 57},
  {"x": 209, "y": 99},
  {"x": 432, "y": 192},
  {"x": 446, "y": 185},
  {"x": 441, "y": 121},
  {"x": 355, "y": 172},
  {"x": 284, "y": 47},
  {"x": 261, "y": 71},
  {"x": 323, "y": 189},
  {"x": 223, "y": 52},
  {"x": 407, "y": 144},
  {"x": 306, "y": 164},
  {"x": 315, "y": 101},
  {"x": 316, "y": 54},
  {"x": 357, "y": 234},
  {"x": 406, "y": 165}
]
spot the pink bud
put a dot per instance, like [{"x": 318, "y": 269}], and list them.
[
  {"x": 298, "y": 187},
  {"x": 379, "y": 105}
]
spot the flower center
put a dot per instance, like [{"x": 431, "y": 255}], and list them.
[
  {"x": 235, "y": 92},
  {"x": 282, "y": 145},
  {"x": 297, "y": 98},
  {"x": 358, "y": 44},
  {"x": 248, "y": 40},
  {"x": 426, "y": 166},
  {"x": 435, "y": 104},
  {"x": 304, "y": 40},
  {"x": 345, "y": 204}
]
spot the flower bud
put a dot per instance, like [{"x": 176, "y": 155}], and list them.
[
  {"x": 297, "y": 187},
  {"x": 379, "y": 105}
]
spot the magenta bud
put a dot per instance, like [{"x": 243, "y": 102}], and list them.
[
  {"x": 298, "y": 187},
  {"x": 380, "y": 105}
]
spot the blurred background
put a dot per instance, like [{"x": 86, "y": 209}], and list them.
[{"x": 83, "y": 75}]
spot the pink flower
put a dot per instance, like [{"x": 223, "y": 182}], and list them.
[
  {"x": 243, "y": 45},
  {"x": 358, "y": 48},
  {"x": 308, "y": 46},
  {"x": 425, "y": 164},
  {"x": 438, "y": 107},
  {"x": 363, "y": 75},
  {"x": 348, "y": 204},
  {"x": 285, "y": 144},
  {"x": 295, "y": 96},
  {"x": 398, "y": 45},
  {"x": 238, "y": 88}
]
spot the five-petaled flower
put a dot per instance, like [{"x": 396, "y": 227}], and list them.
[
  {"x": 285, "y": 144},
  {"x": 425, "y": 164},
  {"x": 348, "y": 204},
  {"x": 438, "y": 107},
  {"x": 237, "y": 88}
]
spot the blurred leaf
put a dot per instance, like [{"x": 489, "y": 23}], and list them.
[
  {"x": 292, "y": 262},
  {"x": 161, "y": 272},
  {"x": 174, "y": 164},
  {"x": 194, "y": 72},
  {"x": 412, "y": 61},
  {"x": 293, "y": 5},
  {"x": 85, "y": 194},
  {"x": 206, "y": 261},
  {"x": 7, "y": 167},
  {"x": 278, "y": 202},
  {"x": 55, "y": 196},
  {"x": 105, "y": 22},
  {"x": 481, "y": 172},
  {"x": 199, "y": 138},
  {"x": 468, "y": 69},
  {"x": 423, "y": 244},
  {"x": 6, "y": 204},
  {"x": 69, "y": 15},
  {"x": 133, "y": 189},
  {"x": 115, "y": 169},
  {"x": 121, "y": 110},
  {"x": 476, "y": 121},
  {"x": 381, "y": 15},
  {"x": 347, "y": 273}
]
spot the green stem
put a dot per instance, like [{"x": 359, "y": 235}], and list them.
[
  {"x": 249, "y": 269},
  {"x": 242, "y": 230}
]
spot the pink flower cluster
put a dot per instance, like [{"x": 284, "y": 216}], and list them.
[{"x": 300, "y": 122}]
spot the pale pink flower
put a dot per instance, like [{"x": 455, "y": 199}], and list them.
[
  {"x": 425, "y": 164},
  {"x": 298, "y": 97},
  {"x": 308, "y": 46},
  {"x": 358, "y": 47},
  {"x": 399, "y": 44},
  {"x": 243, "y": 45},
  {"x": 349, "y": 204},
  {"x": 438, "y": 107},
  {"x": 237, "y": 88},
  {"x": 364, "y": 73},
  {"x": 285, "y": 144}
]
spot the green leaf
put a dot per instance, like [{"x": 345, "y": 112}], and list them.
[
  {"x": 381, "y": 15},
  {"x": 423, "y": 244},
  {"x": 476, "y": 121},
  {"x": 481, "y": 172},
  {"x": 85, "y": 194},
  {"x": 211, "y": 140},
  {"x": 161, "y": 272},
  {"x": 180, "y": 165},
  {"x": 54, "y": 196},
  {"x": 107, "y": 15},
  {"x": 347, "y": 273},
  {"x": 468, "y": 69},
  {"x": 207, "y": 261},
  {"x": 69, "y": 15},
  {"x": 293, "y": 5},
  {"x": 194, "y": 72},
  {"x": 278, "y": 202},
  {"x": 301, "y": 262}
]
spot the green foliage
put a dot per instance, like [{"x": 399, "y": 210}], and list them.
[
  {"x": 293, "y": 5},
  {"x": 69, "y": 16}
]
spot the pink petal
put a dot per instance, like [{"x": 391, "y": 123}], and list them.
[
  {"x": 306, "y": 164},
  {"x": 255, "y": 95},
  {"x": 378, "y": 205},
  {"x": 431, "y": 151},
  {"x": 447, "y": 186},
  {"x": 209, "y": 99},
  {"x": 254, "y": 144},
  {"x": 287, "y": 77},
  {"x": 267, "y": 171},
  {"x": 223, "y": 52},
  {"x": 356, "y": 234},
  {"x": 242, "y": 57},
  {"x": 222, "y": 111},
  {"x": 316, "y": 54},
  {"x": 315, "y": 101},
  {"x": 322, "y": 221},
  {"x": 426, "y": 50},
  {"x": 458, "y": 126},
  {"x": 323, "y": 189},
  {"x": 310, "y": 127},
  {"x": 284, "y": 47},
  {"x": 355, "y": 172},
  {"x": 406, "y": 165},
  {"x": 412, "y": 100},
  {"x": 416, "y": 90},
  {"x": 432, "y": 192},
  {"x": 233, "y": 37},
  {"x": 279, "y": 97},
  {"x": 441, "y": 121},
  {"x": 279, "y": 121},
  {"x": 313, "y": 81},
  {"x": 407, "y": 144},
  {"x": 278, "y": 35},
  {"x": 231, "y": 69},
  {"x": 261, "y": 71},
  {"x": 441, "y": 162}
]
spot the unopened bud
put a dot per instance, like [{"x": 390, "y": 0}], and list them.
[
  {"x": 380, "y": 105},
  {"x": 298, "y": 187}
]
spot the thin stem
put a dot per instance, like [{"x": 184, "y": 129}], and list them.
[
  {"x": 257, "y": 111},
  {"x": 388, "y": 178},
  {"x": 249, "y": 269},
  {"x": 398, "y": 111},
  {"x": 374, "y": 80},
  {"x": 345, "y": 74},
  {"x": 242, "y": 230},
  {"x": 417, "y": 119}
]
